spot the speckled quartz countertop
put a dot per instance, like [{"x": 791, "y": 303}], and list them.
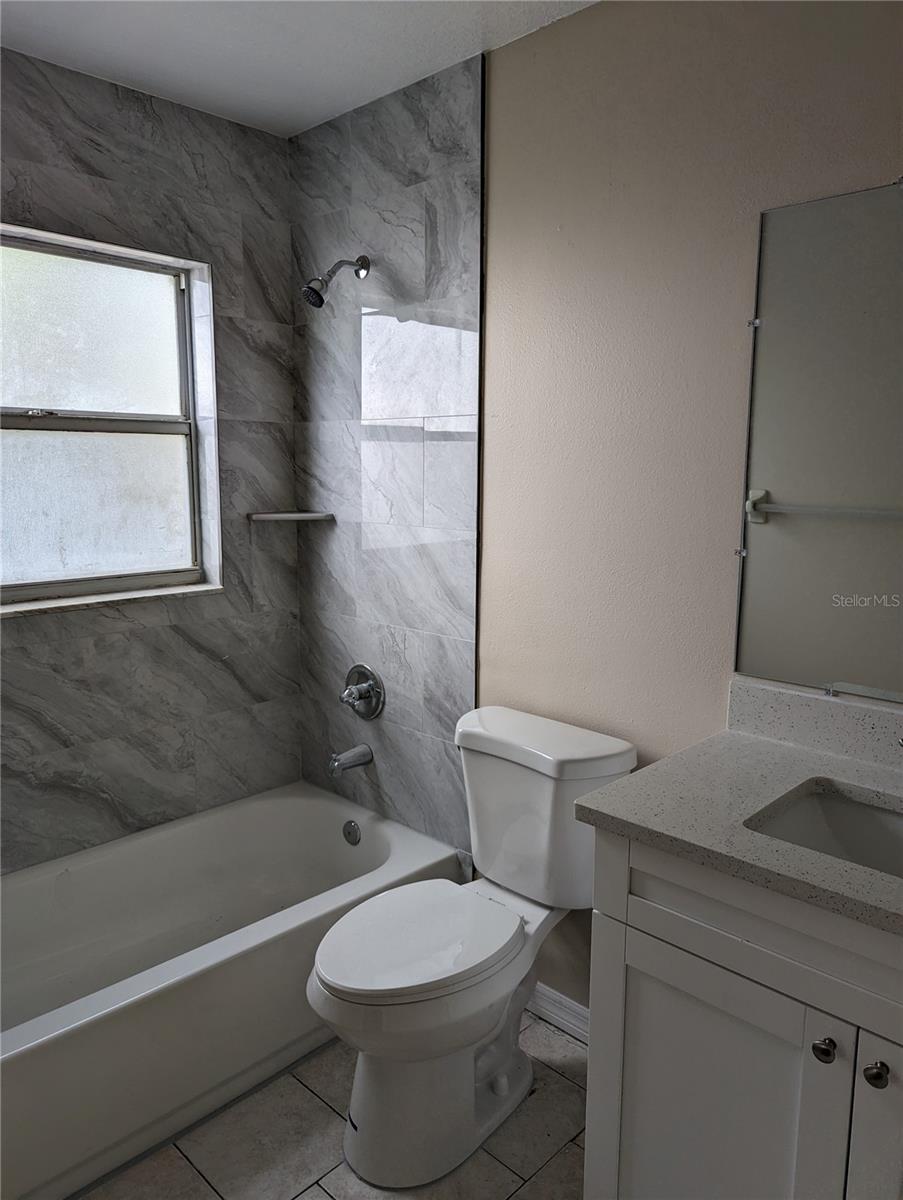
[{"x": 693, "y": 804}]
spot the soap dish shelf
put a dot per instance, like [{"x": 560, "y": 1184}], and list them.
[{"x": 291, "y": 516}]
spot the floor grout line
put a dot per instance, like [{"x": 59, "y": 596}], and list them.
[
  {"x": 213, "y": 1189},
  {"x": 551, "y": 1159},
  {"x": 500, "y": 1161},
  {"x": 322, "y": 1099},
  {"x": 521, "y": 1179},
  {"x": 536, "y": 1058},
  {"x": 561, "y": 1074}
]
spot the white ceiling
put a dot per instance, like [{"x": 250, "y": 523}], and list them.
[{"x": 282, "y": 65}]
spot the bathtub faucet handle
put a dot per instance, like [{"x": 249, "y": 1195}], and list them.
[
  {"x": 364, "y": 692},
  {"x": 355, "y": 693}
]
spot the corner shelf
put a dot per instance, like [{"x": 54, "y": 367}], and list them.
[{"x": 291, "y": 516}]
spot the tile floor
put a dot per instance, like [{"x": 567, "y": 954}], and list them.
[{"x": 284, "y": 1140}]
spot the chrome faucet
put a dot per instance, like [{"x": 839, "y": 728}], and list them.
[
  {"x": 357, "y": 756},
  {"x": 364, "y": 692},
  {"x": 356, "y": 692}
]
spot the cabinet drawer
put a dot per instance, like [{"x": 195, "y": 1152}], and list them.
[{"x": 820, "y": 957}]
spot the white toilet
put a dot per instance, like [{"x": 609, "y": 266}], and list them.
[{"x": 428, "y": 981}]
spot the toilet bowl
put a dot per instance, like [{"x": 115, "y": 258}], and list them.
[
  {"x": 428, "y": 981},
  {"x": 438, "y": 1062}
]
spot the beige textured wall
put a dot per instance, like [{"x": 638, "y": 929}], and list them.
[{"x": 630, "y": 149}]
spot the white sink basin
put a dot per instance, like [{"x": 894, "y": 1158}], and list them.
[{"x": 840, "y": 819}]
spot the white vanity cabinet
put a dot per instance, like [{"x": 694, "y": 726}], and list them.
[
  {"x": 738, "y": 1041},
  {"x": 876, "y": 1130}
]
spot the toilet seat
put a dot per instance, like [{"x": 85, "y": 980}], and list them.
[{"x": 416, "y": 942}]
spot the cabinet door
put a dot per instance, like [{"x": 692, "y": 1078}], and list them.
[
  {"x": 876, "y": 1132},
  {"x": 722, "y": 1096}
]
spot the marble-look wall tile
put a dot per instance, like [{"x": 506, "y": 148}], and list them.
[
  {"x": 331, "y": 643},
  {"x": 181, "y": 675},
  {"x": 413, "y": 134},
  {"x": 453, "y": 218},
  {"x": 102, "y": 705},
  {"x": 256, "y": 467},
  {"x": 237, "y": 597},
  {"x": 255, "y": 657},
  {"x": 186, "y": 670},
  {"x": 396, "y": 358},
  {"x": 418, "y": 578},
  {"x": 181, "y": 149},
  {"x": 251, "y": 750},
  {"x": 422, "y": 785},
  {"x": 44, "y": 818},
  {"x": 65, "y": 624},
  {"x": 328, "y": 468},
  {"x": 62, "y": 625},
  {"x": 449, "y": 683},
  {"x": 450, "y": 471},
  {"x": 412, "y": 367},
  {"x": 259, "y": 177},
  {"x": 391, "y": 229},
  {"x": 328, "y": 556},
  {"x": 58, "y": 695},
  {"x": 414, "y": 778},
  {"x": 94, "y": 792},
  {"x": 61, "y": 118},
  {"x": 94, "y": 729},
  {"x": 129, "y": 215},
  {"x": 255, "y": 370},
  {"x": 392, "y": 472},
  {"x": 266, "y": 250},
  {"x": 91, "y": 697},
  {"x": 274, "y": 565},
  {"x": 327, "y": 353},
  {"x": 117, "y": 685},
  {"x": 317, "y": 243},
  {"x": 196, "y": 154},
  {"x": 320, "y": 161}
]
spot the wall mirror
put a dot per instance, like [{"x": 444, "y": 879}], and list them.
[{"x": 821, "y": 595}]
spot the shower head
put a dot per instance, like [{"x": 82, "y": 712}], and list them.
[{"x": 314, "y": 291}]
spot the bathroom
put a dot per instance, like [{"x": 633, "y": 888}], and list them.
[{"x": 452, "y": 689}]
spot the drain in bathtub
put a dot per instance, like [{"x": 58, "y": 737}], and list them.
[{"x": 351, "y": 832}]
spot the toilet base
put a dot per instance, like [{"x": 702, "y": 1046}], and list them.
[{"x": 412, "y": 1122}]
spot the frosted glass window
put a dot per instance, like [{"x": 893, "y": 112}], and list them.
[
  {"x": 83, "y": 334},
  {"x": 101, "y": 448},
  {"x": 77, "y": 505}
]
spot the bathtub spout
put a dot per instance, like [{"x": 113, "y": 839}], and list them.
[{"x": 357, "y": 756}]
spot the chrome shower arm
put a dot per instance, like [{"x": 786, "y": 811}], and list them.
[{"x": 354, "y": 263}]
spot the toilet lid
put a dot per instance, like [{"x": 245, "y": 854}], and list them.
[{"x": 417, "y": 941}]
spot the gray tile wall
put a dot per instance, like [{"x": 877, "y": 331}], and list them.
[
  {"x": 386, "y": 437},
  {"x": 123, "y": 716},
  {"x": 119, "y": 717}
]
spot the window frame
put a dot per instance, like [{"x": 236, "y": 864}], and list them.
[{"x": 194, "y": 324}]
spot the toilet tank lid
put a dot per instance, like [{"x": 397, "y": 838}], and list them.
[{"x": 558, "y": 750}]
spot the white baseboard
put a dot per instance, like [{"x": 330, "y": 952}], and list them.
[{"x": 561, "y": 1011}]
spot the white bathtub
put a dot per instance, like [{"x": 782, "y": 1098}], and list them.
[{"x": 152, "y": 979}]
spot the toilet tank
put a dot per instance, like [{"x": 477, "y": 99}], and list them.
[{"x": 522, "y": 774}]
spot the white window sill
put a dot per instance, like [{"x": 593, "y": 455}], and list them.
[{"x": 107, "y": 598}]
